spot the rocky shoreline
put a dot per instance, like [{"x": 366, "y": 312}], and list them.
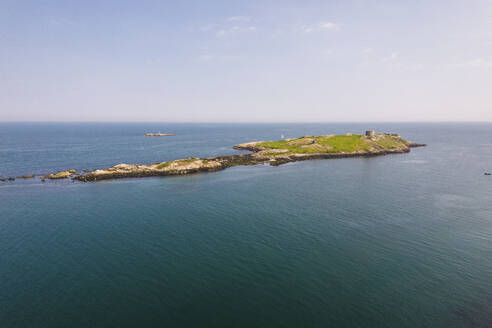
[
  {"x": 213, "y": 164},
  {"x": 273, "y": 153}
]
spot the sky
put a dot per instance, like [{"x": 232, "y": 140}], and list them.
[{"x": 246, "y": 60}]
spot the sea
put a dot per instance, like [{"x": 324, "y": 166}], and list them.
[{"x": 402, "y": 240}]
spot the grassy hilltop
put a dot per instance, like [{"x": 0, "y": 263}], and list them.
[{"x": 329, "y": 144}]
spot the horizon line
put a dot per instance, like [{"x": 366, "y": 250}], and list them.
[{"x": 250, "y": 122}]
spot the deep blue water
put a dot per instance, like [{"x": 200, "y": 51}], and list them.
[{"x": 392, "y": 241}]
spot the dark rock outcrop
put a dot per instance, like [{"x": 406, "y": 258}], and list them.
[{"x": 27, "y": 176}]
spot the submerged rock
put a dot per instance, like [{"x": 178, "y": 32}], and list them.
[{"x": 28, "y": 176}]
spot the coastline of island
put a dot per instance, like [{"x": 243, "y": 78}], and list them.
[
  {"x": 262, "y": 152},
  {"x": 266, "y": 152}
]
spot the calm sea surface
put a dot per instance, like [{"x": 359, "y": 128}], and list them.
[{"x": 393, "y": 241}]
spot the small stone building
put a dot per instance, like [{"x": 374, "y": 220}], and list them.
[{"x": 370, "y": 133}]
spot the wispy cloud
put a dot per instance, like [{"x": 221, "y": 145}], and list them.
[
  {"x": 59, "y": 21},
  {"x": 391, "y": 58},
  {"x": 329, "y": 26},
  {"x": 208, "y": 27},
  {"x": 323, "y": 26},
  {"x": 306, "y": 29},
  {"x": 239, "y": 24},
  {"x": 239, "y": 19},
  {"x": 235, "y": 25},
  {"x": 229, "y": 26},
  {"x": 227, "y": 31},
  {"x": 394, "y": 61},
  {"x": 235, "y": 29},
  {"x": 217, "y": 57},
  {"x": 477, "y": 63},
  {"x": 412, "y": 67},
  {"x": 205, "y": 58}
]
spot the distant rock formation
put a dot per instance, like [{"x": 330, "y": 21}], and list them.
[{"x": 158, "y": 134}]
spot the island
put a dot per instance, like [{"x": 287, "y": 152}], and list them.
[
  {"x": 158, "y": 134},
  {"x": 263, "y": 152}
]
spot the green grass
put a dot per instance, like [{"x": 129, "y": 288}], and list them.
[
  {"x": 389, "y": 143},
  {"x": 163, "y": 165},
  {"x": 332, "y": 144},
  {"x": 179, "y": 161},
  {"x": 347, "y": 144}
]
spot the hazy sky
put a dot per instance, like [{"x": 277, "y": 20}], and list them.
[{"x": 246, "y": 60}]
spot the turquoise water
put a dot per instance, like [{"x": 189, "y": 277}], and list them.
[{"x": 393, "y": 241}]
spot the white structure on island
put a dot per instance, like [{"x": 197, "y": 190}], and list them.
[{"x": 370, "y": 133}]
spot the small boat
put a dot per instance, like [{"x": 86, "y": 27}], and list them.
[
  {"x": 487, "y": 173},
  {"x": 158, "y": 134}
]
